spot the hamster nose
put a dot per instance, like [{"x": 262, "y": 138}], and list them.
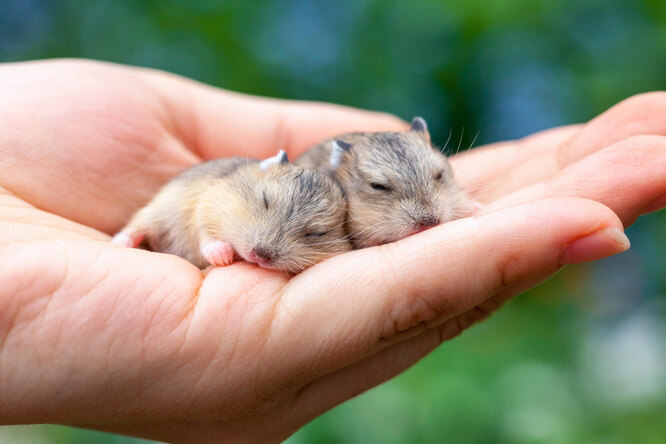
[
  {"x": 262, "y": 252},
  {"x": 427, "y": 221}
]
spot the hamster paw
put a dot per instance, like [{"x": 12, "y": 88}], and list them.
[
  {"x": 127, "y": 240},
  {"x": 476, "y": 206},
  {"x": 218, "y": 253}
]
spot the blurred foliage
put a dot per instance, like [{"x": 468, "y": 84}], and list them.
[{"x": 581, "y": 358}]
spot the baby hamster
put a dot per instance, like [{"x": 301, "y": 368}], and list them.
[
  {"x": 272, "y": 213},
  {"x": 396, "y": 183}
]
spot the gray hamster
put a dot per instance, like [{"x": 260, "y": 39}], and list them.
[{"x": 396, "y": 183}]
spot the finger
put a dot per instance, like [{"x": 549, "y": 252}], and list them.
[
  {"x": 643, "y": 114},
  {"x": 370, "y": 296},
  {"x": 629, "y": 177},
  {"x": 22, "y": 222},
  {"x": 477, "y": 168},
  {"x": 217, "y": 123},
  {"x": 337, "y": 387}
]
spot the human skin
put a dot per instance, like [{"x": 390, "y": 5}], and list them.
[{"x": 141, "y": 343}]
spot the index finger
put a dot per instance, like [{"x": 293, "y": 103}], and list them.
[
  {"x": 528, "y": 159},
  {"x": 541, "y": 156}
]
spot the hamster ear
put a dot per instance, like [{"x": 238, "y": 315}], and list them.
[
  {"x": 280, "y": 157},
  {"x": 420, "y": 126},
  {"x": 339, "y": 149}
]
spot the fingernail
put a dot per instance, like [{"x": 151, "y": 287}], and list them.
[
  {"x": 598, "y": 245},
  {"x": 655, "y": 205}
]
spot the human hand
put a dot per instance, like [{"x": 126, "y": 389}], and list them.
[
  {"x": 616, "y": 147},
  {"x": 143, "y": 343}
]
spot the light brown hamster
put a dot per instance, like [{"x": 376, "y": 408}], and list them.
[
  {"x": 396, "y": 183},
  {"x": 271, "y": 213}
]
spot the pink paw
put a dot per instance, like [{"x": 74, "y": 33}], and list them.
[
  {"x": 476, "y": 206},
  {"x": 218, "y": 253},
  {"x": 127, "y": 240}
]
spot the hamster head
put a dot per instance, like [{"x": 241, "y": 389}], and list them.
[
  {"x": 292, "y": 218},
  {"x": 396, "y": 185}
]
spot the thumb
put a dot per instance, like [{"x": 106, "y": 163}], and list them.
[{"x": 352, "y": 306}]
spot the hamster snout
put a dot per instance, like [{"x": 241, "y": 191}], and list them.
[{"x": 396, "y": 183}]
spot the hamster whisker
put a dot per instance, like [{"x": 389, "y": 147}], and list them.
[
  {"x": 474, "y": 139},
  {"x": 461, "y": 138},
  {"x": 475, "y": 189},
  {"x": 330, "y": 242},
  {"x": 334, "y": 227},
  {"x": 365, "y": 234},
  {"x": 448, "y": 139},
  {"x": 369, "y": 227}
]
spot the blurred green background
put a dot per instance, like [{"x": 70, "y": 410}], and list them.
[{"x": 581, "y": 358}]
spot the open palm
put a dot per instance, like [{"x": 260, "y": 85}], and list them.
[{"x": 130, "y": 341}]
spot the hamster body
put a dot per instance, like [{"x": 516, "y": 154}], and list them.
[
  {"x": 282, "y": 217},
  {"x": 396, "y": 183}
]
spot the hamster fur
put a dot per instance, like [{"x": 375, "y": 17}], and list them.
[
  {"x": 273, "y": 213},
  {"x": 396, "y": 183}
]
